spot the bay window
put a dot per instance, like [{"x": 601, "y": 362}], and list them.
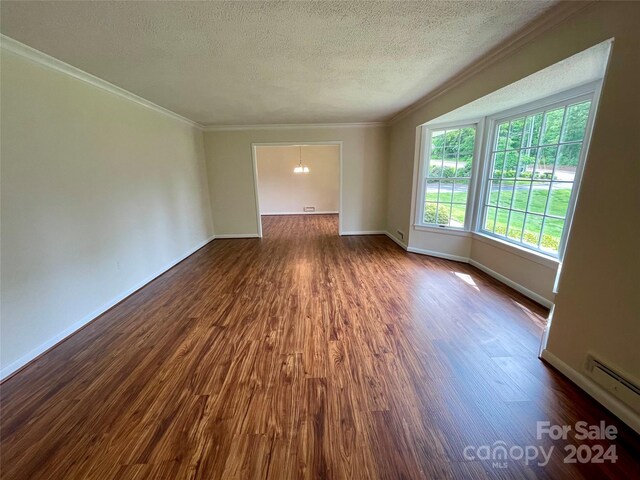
[{"x": 528, "y": 170}]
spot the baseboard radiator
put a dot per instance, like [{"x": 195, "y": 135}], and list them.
[{"x": 617, "y": 385}]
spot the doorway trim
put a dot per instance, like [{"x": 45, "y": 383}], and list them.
[{"x": 254, "y": 158}]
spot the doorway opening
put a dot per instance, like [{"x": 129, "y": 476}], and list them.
[{"x": 298, "y": 178}]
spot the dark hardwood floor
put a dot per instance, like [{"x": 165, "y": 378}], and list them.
[{"x": 301, "y": 355}]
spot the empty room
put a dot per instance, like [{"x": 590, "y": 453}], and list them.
[{"x": 319, "y": 239}]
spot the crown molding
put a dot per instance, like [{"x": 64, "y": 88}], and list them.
[
  {"x": 41, "y": 58},
  {"x": 272, "y": 126},
  {"x": 527, "y": 34}
]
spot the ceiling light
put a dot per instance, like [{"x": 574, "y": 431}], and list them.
[{"x": 300, "y": 168}]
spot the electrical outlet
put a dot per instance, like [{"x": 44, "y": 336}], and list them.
[{"x": 309, "y": 209}]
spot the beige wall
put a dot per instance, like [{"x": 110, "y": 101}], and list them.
[
  {"x": 282, "y": 191},
  {"x": 598, "y": 301},
  {"x": 364, "y": 172},
  {"x": 538, "y": 275},
  {"x": 98, "y": 195}
]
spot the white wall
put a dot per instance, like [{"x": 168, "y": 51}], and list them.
[
  {"x": 282, "y": 191},
  {"x": 364, "y": 174},
  {"x": 98, "y": 195}
]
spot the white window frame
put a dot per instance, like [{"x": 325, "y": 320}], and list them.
[
  {"x": 425, "y": 153},
  {"x": 485, "y": 134},
  {"x": 587, "y": 92}
]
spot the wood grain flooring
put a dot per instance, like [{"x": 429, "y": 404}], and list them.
[{"x": 300, "y": 355}]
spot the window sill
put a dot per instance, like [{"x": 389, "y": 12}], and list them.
[
  {"x": 444, "y": 230},
  {"x": 536, "y": 257}
]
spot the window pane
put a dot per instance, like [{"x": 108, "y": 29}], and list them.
[
  {"x": 546, "y": 161},
  {"x": 452, "y": 137},
  {"x": 527, "y": 161},
  {"x": 551, "y": 234},
  {"x": 437, "y": 153},
  {"x": 576, "y": 122},
  {"x": 460, "y": 191},
  {"x": 467, "y": 143},
  {"x": 538, "y": 198},
  {"x": 559, "y": 199},
  {"x": 446, "y": 191},
  {"x": 501, "y": 221},
  {"x": 443, "y": 214},
  {"x": 532, "y": 228},
  {"x": 449, "y": 170},
  {"x": 511, "y": 163},
  {"x": 458, "y": 213},
  {"x": 516, "y": 222},
  {"x": 432, "y": 190},
  {"x": 489, "y": 218},
  {"x": 568, "y": 158},
  {"x": 436, "y": 170},
  {"x": 501, "y": 138},
  {"x": 450, "y": 154},
  {"x": 430, "y": 209},
  {"x": 515, "y": 135},
  {"x": 553, "y": 123},
  {"x": 464, "y": 168},
  {"x": 506, "y": 192},
  {"x": 521, "y": 195},
  {"x": 498, "y": 163},
  {"x": 492, "y": 194},
  {"x": 531, "y": 134}
]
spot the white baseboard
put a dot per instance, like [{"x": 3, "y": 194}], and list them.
[
  {"x": 432, "y": 253},
  {"x": 396, "y": 240},
  {"x": 611, "y": 403},
  {"x": 516, "y": 286},
  {"x": 299, "y": 213},
  {"x": 364, "y": 232},
  {"x": 507, "y": 281},
  {"x": 22, "y": 361},
  {"x": 237, "y": 235}
]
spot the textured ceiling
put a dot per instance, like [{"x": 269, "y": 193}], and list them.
[
  {"x": 579, "y": 69},
  {"x": 270, "y": 62}
]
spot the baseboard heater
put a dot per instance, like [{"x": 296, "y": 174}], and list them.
[{"x": 620, "y": 387}]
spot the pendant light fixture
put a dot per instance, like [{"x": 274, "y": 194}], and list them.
[{"x": 300, "y": 168}]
